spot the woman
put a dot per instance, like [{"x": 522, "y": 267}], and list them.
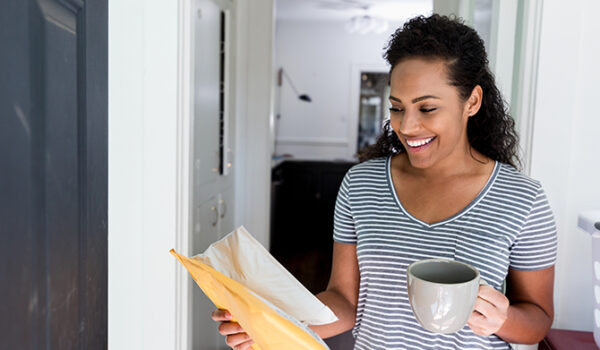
[{"x": 440, "y": 182}]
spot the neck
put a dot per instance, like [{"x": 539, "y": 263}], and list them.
[{"x": 467, "y": 161}]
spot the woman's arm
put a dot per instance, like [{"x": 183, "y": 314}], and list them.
[
  {"x": 531, "y": 310},
  {"x": 341, "y": 295},
  {"x": 527, "y": 317}
]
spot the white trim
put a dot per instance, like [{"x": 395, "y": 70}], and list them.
[
  {"x": 254, "y": 112},
  {"x": 312, "y": 141},
  {"x": 240, "y": 77},
  {"x": 466, "y": 10},
  {"x": 226, "y": 7},
  {"x": 526, "y": 80},
  {"x": 183, "y": 176},
  {"x": 354, "y": 99},
  {"x": 224, "y": 4},
  {"x": 502, "y": 45}
]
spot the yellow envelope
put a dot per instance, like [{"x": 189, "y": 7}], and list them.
[{"x": 269, "y": 326}]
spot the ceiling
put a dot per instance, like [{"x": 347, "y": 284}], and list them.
[{"x": 342, "y": 10}]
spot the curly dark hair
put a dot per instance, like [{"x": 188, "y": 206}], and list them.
[{"x": 492, "y": 130}]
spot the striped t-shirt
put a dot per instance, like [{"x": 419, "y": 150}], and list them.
[{"x": 508, "y": 225}]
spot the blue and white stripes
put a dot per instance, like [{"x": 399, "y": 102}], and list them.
[{"x": 508, "y": 225}]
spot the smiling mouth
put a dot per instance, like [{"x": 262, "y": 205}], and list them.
[{"x": 420, "y": 143}]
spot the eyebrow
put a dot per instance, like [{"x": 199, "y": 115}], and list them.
[{"x": 415, "y": 100}]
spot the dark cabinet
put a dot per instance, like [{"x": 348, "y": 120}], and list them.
[{"x": 302, "y": 206}]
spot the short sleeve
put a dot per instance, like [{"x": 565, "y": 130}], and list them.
[
  {"x": 343, "y": 221},
  {"x": 535, "y": 246}
]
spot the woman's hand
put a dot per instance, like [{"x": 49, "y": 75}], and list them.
[
  {"x": 491, "y": 310},
  {"x": 235, "y": 335}
]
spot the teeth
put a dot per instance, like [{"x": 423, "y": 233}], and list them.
[{"x": 419, "y": 143}]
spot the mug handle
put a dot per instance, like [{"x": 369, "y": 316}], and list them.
[{"x": 482, "y": 282}]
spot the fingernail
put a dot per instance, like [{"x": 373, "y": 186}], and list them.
[{"x": 228, "y": 316}]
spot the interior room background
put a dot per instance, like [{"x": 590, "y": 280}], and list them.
[{"x": 179, "y": 179}]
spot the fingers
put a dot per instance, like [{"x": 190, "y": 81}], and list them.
[
  {"x": 240, "y": 341},
  {"x": 490, "y": 311},
  {"x": 476, "y": 318},
  {"x": 244, "y": 345},
  {"x": 479, "y": 330},
  {"x": 477, "y": 321},
  {"x": 236, "y": 338},
  {"x": 484, "y": 307},
  {"x": 234, "y": 333},
  {"x": 493, "y": 297},
  {"x": 230, "y": 328},
  {"x": 221, "y": 315}
]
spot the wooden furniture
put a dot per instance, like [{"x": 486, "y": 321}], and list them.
[{"x": 560, "y": 339}]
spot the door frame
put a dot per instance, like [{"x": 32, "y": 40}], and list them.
[
  {"x": 147, "y": 175},
  {"x": 354, "y": 98},
  {"x": 525, "y": 76},
  {"x": 183, "y": 286}
]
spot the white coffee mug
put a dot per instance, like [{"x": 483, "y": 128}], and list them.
[{"x": 442, "y": 293}]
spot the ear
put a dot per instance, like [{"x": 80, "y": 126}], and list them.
[{"x": 474, "y": 101}]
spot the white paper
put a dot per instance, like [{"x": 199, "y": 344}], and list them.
[{"x": 242, "y": 258}]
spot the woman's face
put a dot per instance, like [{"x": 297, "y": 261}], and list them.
[{"x": 427, "y": 113}]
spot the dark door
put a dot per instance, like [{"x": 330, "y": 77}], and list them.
[{"x": 53, "y": 174}]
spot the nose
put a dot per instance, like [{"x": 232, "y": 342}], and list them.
[{"x": 409, "y": 123}]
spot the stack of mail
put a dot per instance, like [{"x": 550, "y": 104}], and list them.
[{"x": 238, "y": 274}]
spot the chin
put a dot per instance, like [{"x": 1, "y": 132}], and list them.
[{"x": 420, "y": 163}]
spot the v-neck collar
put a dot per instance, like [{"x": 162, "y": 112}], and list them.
[{"x": 474, "y": 202}]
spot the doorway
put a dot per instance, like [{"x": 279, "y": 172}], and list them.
[{"x": 373, "y": 107}]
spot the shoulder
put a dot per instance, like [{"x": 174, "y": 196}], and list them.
[
  {"x": 518, "y": 198},
  {"x": 366, "y": 176},
  {"x": 515, "y": 182},
  {"x": 376, "y": 167},
  {"x": 376, "y": 164}
]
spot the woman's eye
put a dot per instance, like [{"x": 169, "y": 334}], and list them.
[
  {"x": 428, "y": 110},
  {"x": 394, "y": 109}
]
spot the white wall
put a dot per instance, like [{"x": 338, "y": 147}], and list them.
[
  {"x": 142, "y": 174},
  {"x": 254, "y": 119},
  {"x": 565, "y": 145},
  {"x": 147, "y": 160},
  {"x": 320, "y": 58}
]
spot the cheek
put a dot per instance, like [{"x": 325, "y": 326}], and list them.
[{"x": 395, "y": 123}]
